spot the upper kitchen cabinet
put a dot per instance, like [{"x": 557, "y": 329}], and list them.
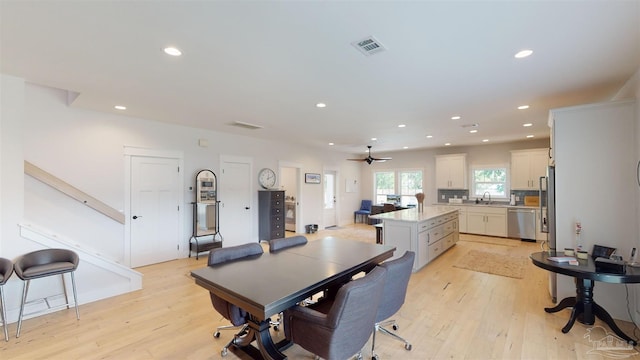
[
  {"x": 451, "y": 171},
  {"x": 527, "y": 166}
]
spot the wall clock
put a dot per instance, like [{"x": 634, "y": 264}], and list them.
[{"x": 267, "y": 178}]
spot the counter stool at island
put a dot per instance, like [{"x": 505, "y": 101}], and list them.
[
  {"x": 6, "y": 269},
  {"x": 43, "y": 263}
]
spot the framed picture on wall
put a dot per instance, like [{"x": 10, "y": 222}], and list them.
[{"x": 311, "y": 178}]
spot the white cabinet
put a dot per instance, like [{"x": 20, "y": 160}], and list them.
[
  {"x": 427, "y": 238},
  {"x": 462, "y": 217},
  {"x": 527, "y": 166},
  {"x": 451, "y": 171},
  {"x": 490, "y": 221}
]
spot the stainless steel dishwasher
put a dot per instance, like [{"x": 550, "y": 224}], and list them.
[{"x": 521, "y": 224}]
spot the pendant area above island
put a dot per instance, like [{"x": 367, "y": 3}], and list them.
[{"x": 428, "y": 233}]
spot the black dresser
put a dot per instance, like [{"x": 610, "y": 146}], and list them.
[{"x": 271, "y": 214}]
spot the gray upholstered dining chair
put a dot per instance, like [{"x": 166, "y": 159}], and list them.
[
  {"x": 338, "y": 328},
  {"x": 6, "y": 269},
  {"x": 395, "y": 290},
  {"x": 43, "y": 263},
  {"x": 237, "y": 316},
  {"x": 283, "y": 243}
]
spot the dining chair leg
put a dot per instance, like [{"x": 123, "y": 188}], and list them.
[
  {"x": 25, "y": 290},
  {"x": 75, "y": 294},
  {"x": 3, "y": 313}
]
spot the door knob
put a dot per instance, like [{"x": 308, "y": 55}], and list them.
[{"x": 136, "y": 216}]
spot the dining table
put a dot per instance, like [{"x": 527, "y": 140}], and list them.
[{"x": 267, "y": 284}]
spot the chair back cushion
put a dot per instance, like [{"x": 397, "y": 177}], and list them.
[
  {"x": 349, "y": 322},
  {"x": 283, "y": 243},
  {"x": 395, "y": 286},
  {"x": 6, "y": 269},
  {"x": 366, "y": 205},
  {"x": 233, "y": 313},
  {"x": 46, "y": 262},
  {"x": 231, "y": 253}
]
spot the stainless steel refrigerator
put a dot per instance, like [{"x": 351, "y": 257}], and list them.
[{"x": 548, "y": 223}]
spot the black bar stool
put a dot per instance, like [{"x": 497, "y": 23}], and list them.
[
  {"x": 6, "y": 269},
  {"x": 43, "y": 263}
]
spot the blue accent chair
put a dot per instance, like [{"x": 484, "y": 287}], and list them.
[{"x": 365, "y": 209}]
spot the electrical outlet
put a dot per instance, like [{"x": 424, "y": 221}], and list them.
[
  {"x": 442, "y": 197},
  {"x": 517, "y": 198},
  {"x": 464, "y": 197}
]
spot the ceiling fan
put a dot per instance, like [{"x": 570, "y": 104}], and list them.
[{"x": 369, "y": 159}]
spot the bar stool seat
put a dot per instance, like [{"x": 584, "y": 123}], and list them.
[
  {"x": 44, "y": 263},
  {"x": 6, "y": 269}
]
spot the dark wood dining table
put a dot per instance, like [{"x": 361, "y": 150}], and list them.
[
  {"x": 584, "y": 308},
  {"x": 268, "y": 284}
]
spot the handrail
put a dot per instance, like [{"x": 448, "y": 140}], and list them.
[{"x": 72, "y": 191}]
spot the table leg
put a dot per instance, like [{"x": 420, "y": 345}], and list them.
[
  {"x": 585, "y": 309},
  {"x": 603, "y": 315},
  {"x": 565, "y": 303}
]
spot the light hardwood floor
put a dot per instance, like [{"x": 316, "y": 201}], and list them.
[{"x": 449, "y": 313}]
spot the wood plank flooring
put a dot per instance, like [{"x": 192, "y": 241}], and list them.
[{"x": 450, "y": 313}]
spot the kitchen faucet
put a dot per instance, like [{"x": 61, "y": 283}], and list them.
[{"x": 485, "y": 193}]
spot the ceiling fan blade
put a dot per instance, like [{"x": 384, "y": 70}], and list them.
[
  {"x": 357, "y": 159},
  {"x": 382, "y": 159}
]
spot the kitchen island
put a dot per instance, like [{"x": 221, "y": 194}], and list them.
[{"x": 428, "y": 233}]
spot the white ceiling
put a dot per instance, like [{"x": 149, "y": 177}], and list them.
[{"x": 268, "y": 63}]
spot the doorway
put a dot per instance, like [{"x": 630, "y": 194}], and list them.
[
  {"x": 236, "y": 224},
  {"x": 153, "y": 224},
  {"x": 330, "y": 213},
  {"x": 290, "y": 183}
]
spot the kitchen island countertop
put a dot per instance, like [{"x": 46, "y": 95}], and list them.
[{"x": 413, "y": 215}]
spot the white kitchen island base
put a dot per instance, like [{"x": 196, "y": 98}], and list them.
[{"x": 428, "y": 233}]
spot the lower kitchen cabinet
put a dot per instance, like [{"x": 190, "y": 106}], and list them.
[
  {"x": 490, "y": 221},
  {"x": 427, "y": 238}
]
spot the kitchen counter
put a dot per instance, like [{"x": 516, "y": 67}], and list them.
[
  {"x": 499, "y": 205},
  {"x": 413, "y": 215},
  {"x": 428, "y": 233}
]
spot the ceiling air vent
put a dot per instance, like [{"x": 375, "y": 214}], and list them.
[
  {"x": 369, "y": 45},
  {"x": 246, "y": 125}
]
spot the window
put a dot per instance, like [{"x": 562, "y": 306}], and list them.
[
  {"x": 492, "y": 180},
  {"x": 404, "y": 184},
  {"x": 384, "y": 185},
  {"x": 410, "y": 185}
]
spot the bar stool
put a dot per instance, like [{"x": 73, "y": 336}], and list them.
[
  {"x": 43, "y": 263},
  {"x": 6, "y": 269}
]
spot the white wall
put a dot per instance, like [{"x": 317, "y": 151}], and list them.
[
  {"x": 595, "y": 184},
  {"x": 85, "y": 148}
]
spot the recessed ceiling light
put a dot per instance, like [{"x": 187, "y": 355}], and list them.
[
  {"x": 523, "y": 53},
  {"x": 429, "y": 136},
  {"x": 523, "y": 107},
  {"x": 447, "y": 144},
  {"x": 527, "y": 124},
  {"x": 405, "y": 147},
  {"x": 402, "y": 125},
  {"x": 374, "y": 139},
  {"x": 331, "y": 144},
  {"x": 172, "y": 51},
  {"x": 321, "y": 105},
  {"x": 457, "y": 117},
  {"x": 485, "y": 140},
  {"x": 120, "y": 107},
  {"x": 473, "y": 131},
  {"x": 530, "y": 136}
]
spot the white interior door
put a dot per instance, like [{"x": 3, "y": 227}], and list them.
[
  {"x": 236, "y": 224},
  {"x": 330, "y": 213},
  {"x": 154, "y": 210}
]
